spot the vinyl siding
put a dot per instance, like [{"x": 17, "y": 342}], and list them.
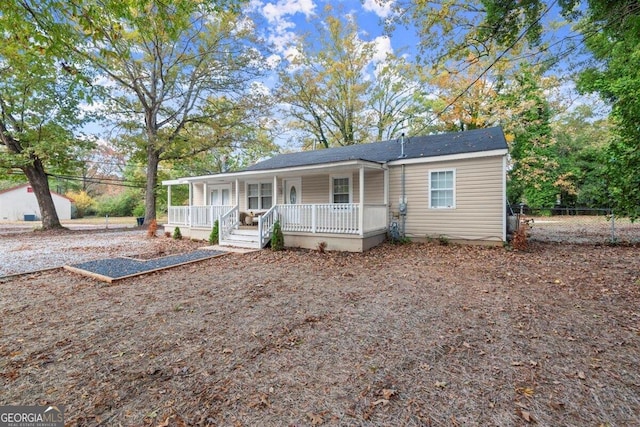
[
  {"x": 479, "y": 200},
  {"x": 317, "y": 188}
]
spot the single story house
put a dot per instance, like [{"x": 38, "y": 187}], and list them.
[
  {"x": 350, "y": 198},
  {"x": 20, "y": 204}
]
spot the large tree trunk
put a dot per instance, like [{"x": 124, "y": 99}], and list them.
[
  {"x": 153, "y": 160},
  {"x": 40, "y": 184}
]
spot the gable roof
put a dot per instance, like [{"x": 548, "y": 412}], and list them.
[
  {"x": 471, "y": 141},
  {"x": 17, "y": 187}
]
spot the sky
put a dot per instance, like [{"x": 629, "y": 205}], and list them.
[{"x": 286, "y": 19}]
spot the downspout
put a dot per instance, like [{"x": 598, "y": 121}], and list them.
[
  {"x": 404, "y": 201},
  {"x": 403, "y": 195}
]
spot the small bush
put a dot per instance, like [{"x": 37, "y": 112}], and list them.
[
  {"x": 177, "y": 234},
  {"x": 167, "y": 234},
  {"x": 153, "y": 227},
  {"x": 277, "y": 238},
  {"x": 214, "y": 237},
  {"x": 322, "y": 247},
  {"x": 443, "y": 240}
]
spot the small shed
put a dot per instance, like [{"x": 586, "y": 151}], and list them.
[{"x": 20, "y": 204}]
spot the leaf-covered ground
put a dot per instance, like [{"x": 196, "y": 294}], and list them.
[{"x": 420, "y": 334}]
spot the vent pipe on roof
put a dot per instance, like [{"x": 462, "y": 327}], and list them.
[{"x": 402, "y": 155}]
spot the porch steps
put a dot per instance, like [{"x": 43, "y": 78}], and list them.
[{"x": 242, "y": 238}]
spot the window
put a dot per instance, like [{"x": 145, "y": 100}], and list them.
[
  {"x": 341, "y": 189},
  {"x": 259, "y": 195},
  {"x": 442, "y": 189}
]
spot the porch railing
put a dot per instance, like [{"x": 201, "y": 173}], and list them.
[
  {"x": 320, "y": 218},
  {"x": 196, "y": 216},
  {"x": 265, "y": 224},
  {"x": 178, "y": 215},
  {"x": 375, "y": 217},
  {"x": 228, "y": 221}
]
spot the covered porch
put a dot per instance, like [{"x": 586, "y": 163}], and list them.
[{"x": 344, "y": 205}]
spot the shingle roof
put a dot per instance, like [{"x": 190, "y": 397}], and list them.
[{"x": 381, "y": 152}]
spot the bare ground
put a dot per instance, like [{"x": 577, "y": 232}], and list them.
[{"x": 415, "y": 335}]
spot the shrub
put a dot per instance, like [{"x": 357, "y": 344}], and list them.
[
  {"x": 119, "y": 205},
  {"x": 167, "y": 234},
  {"x": 322, "y": 247},
  {"x": 85, "y": 205},
  {"x": 214, "y": 237},
  {"x": 277, "y": 238},
  {"x": 177, "y": 234},
  {"x": 153, "y": 227}
]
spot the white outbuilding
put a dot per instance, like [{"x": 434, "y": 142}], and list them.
[{"x": 20, "y": 204}]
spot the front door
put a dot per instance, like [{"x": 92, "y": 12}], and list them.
[
  {"x": 220, "y": 196},
  {"x": 293, "y": 196}
]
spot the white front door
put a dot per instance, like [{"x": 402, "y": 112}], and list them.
[
  {"x": 293, "y": 196},
  {"x": 220, "y": 196}
]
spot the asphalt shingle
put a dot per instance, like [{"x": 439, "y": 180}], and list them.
[{"x": 471, "y": 141}]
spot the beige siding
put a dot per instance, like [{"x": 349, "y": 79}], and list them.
[
  {"x": 373, "y": 187},
  {"x": 315, "y": 189},
  {"x": 479, "y": 200}
]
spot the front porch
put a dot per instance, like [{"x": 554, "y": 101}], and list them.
[
  {"x": 343, "y": 204},
  {"x": 346, "y": 226}
]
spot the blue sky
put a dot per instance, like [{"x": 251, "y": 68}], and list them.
[{"x": 286, "y": 19}]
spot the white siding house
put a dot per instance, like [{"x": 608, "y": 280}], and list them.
[{"x": 20, "y": 203}]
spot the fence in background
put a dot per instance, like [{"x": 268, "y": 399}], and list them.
[{"x": 578, "y": 225}]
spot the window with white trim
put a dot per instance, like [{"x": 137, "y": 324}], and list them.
[
  {"x": 341, "y": 189},
  {"x": 442, "y": 189},
  {"x": 259, "y": 195}
]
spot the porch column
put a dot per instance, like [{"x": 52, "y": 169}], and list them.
[
  {"x": 275, "y": 190},
  {"x": 190, "y": 203},
  {"x": 361, "y": 211},
  {"x": 169, "y": 203},
  {"x": 386, "y": 193},
  {"x": 237, "y": 192}
]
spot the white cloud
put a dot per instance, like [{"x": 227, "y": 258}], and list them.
[
  {"x": 276, "y": 12},
  {"x": 382, "y": 48},
  {"x": 279, "y": 15},
  {"x": 382, "y": 8}
]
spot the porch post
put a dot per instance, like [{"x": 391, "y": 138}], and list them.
[
  {"x": 386, "y": 194},
  {"x": 275, "y": 190},
  {"x": 361, "y": 211},
  {"x": 190, "y": 203},
  {"x": 169, "y": 203},
  {"x": 237, "y": 193}
]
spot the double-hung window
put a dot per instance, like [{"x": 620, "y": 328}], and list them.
[
  {"x": 340, "y": 189},
  {"x": 259, "y": 195},
  {"x": 442, "y": 189}
]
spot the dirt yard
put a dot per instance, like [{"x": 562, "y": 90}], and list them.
[{"x": 414, "y": 335}]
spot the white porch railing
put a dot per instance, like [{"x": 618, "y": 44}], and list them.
[
  {"x": 196, "y": 216},
  {"x": 311, "y": 218},
  {"x": 331, "y": 218},
  {"x": 178, "y": 215},
  {"x": 228, "y": 221},
  {"x": 265, "y": 224},
  {"x": 375, "y": 217}
]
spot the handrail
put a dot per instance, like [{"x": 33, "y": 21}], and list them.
[
  {"x": 265, "y": 224},
  {"x": 228, "y": 222}
]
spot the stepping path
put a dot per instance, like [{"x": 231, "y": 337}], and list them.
[{"x": 112, "y": 269}]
